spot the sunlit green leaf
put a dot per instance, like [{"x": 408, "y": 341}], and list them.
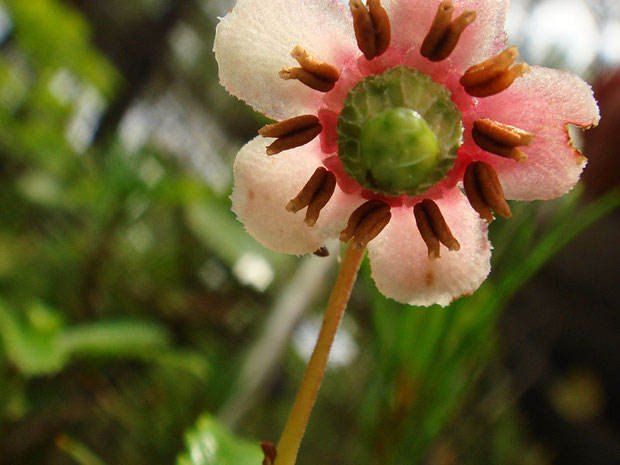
[{"x": 209, "y": 443}]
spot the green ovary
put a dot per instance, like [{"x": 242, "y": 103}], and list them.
[
  {"x": 399, "y": 132},
  {"x": 398, "y": 149}
]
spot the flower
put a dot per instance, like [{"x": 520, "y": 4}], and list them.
[{"x": 495, "y": 127}]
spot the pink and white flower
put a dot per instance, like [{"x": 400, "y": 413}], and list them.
[{"x": 254, "y": 43}]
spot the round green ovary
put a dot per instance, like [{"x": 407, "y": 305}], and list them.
[
  {"x": 398, "y": 149},
  {"x": 398, "y": 132}
]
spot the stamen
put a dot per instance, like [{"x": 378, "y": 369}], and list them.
[
  {"x": 381, "y": 24},
  {"x": 493, "y": 75},
  {"x": 444, "y": 33},
  {"x": 484, "y": 191},
  {"x": 314, "y": 195},
  {"x": 433, "y": 228},
  {"x": 366, "y": 223},
  {"x": 291, "y": 133},
  {"x": 313, "y": 73},
  {"x": 426, "y": 231},
  {"x": 501, "y": 139},
  {"x": 321, "y": 252},
  {"x": 372, "y": 27}
]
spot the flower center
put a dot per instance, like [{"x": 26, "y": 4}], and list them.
[
  {"x": 398, "y": 148},
  {"x": 399, "y": 132}
]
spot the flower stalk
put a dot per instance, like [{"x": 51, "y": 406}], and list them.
[{"x": 289, "y": 443}]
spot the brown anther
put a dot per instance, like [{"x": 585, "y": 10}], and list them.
[
  {"x": 433, "y": 228},
  {"x": 493, "y": 75},
  {"x": 501, "y": 139},
  {"x": 269, "y": 452},
  {"x": 372, "y": 27},
  {"x": 291, "y": 133},
  {"x": 321, "y": 252},
  {"x": 484, "y": 191},
  {"x": 366, "y": 223},
  {"x": 314, "y": 195},
  {"x": 444, "y": 33},
  {"x": 313, "y": 73}
]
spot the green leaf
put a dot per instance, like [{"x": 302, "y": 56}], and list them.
[
  {"x": 37, "y": 343},
  {"x": 211, "y": 444},
  {"x": 113, "y": 338}
]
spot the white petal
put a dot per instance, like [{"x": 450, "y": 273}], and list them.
[
  {"x": 411, "y": 21},
  {"x": 263, "y": 186},
  {"x": 253, "y": 43},
  {"x": 399, "y": 258},
  {"x": 543, "y": 102}
]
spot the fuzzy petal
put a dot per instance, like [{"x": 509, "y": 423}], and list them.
[
  {"x": 264, "y": 185},
  {"x": 253, "y": 43},
  {"x": 542, "y": 102},
  {"x": 402, "y": 270},
  {"x": 411, "y": 21}
]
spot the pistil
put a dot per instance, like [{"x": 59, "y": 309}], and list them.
[
  {"x": 484, "y": 191},
  {"x": 291, "y": 133},
  {"x": 433, "y": 228},
  {"x": 372, "y": 27},
  {"x": 501, "y": 139},
  {"x": 444, "y": 33},
  {"x": 493, "y": 75},
  {"x": 313, "y": 73},
  {"x": 314, "y": 195},
  {"x": 366, "y": 223}
]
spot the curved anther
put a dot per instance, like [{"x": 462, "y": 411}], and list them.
[
  {"x": 372, "y": 27},
  {"x": 493, "y": 75},
  {"x": 269, "y": 451},
  {"x": 501, "y": 139},
  {"x": 366, "y": 223},
  {"x": 433, "y": 228},
  {"x": 484, "y": 191},
  {"x": 313, "y": 73},
  {"x": 444, "y": 33},
  {"x": 321, "y": 252},
  {"x": 314, "y": 195},
  {"x": 291, "y": 133}
]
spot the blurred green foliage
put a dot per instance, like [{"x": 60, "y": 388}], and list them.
[
  {"x": 123, "y": 323},
  {"x": 210, "y": 444}
]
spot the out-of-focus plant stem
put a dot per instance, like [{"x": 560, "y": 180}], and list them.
[
  {"x": 308, "y": 284},
  {"x": 290, "y": 440}
]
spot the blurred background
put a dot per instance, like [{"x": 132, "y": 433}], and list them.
[{"x": 140, "y": 324}]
